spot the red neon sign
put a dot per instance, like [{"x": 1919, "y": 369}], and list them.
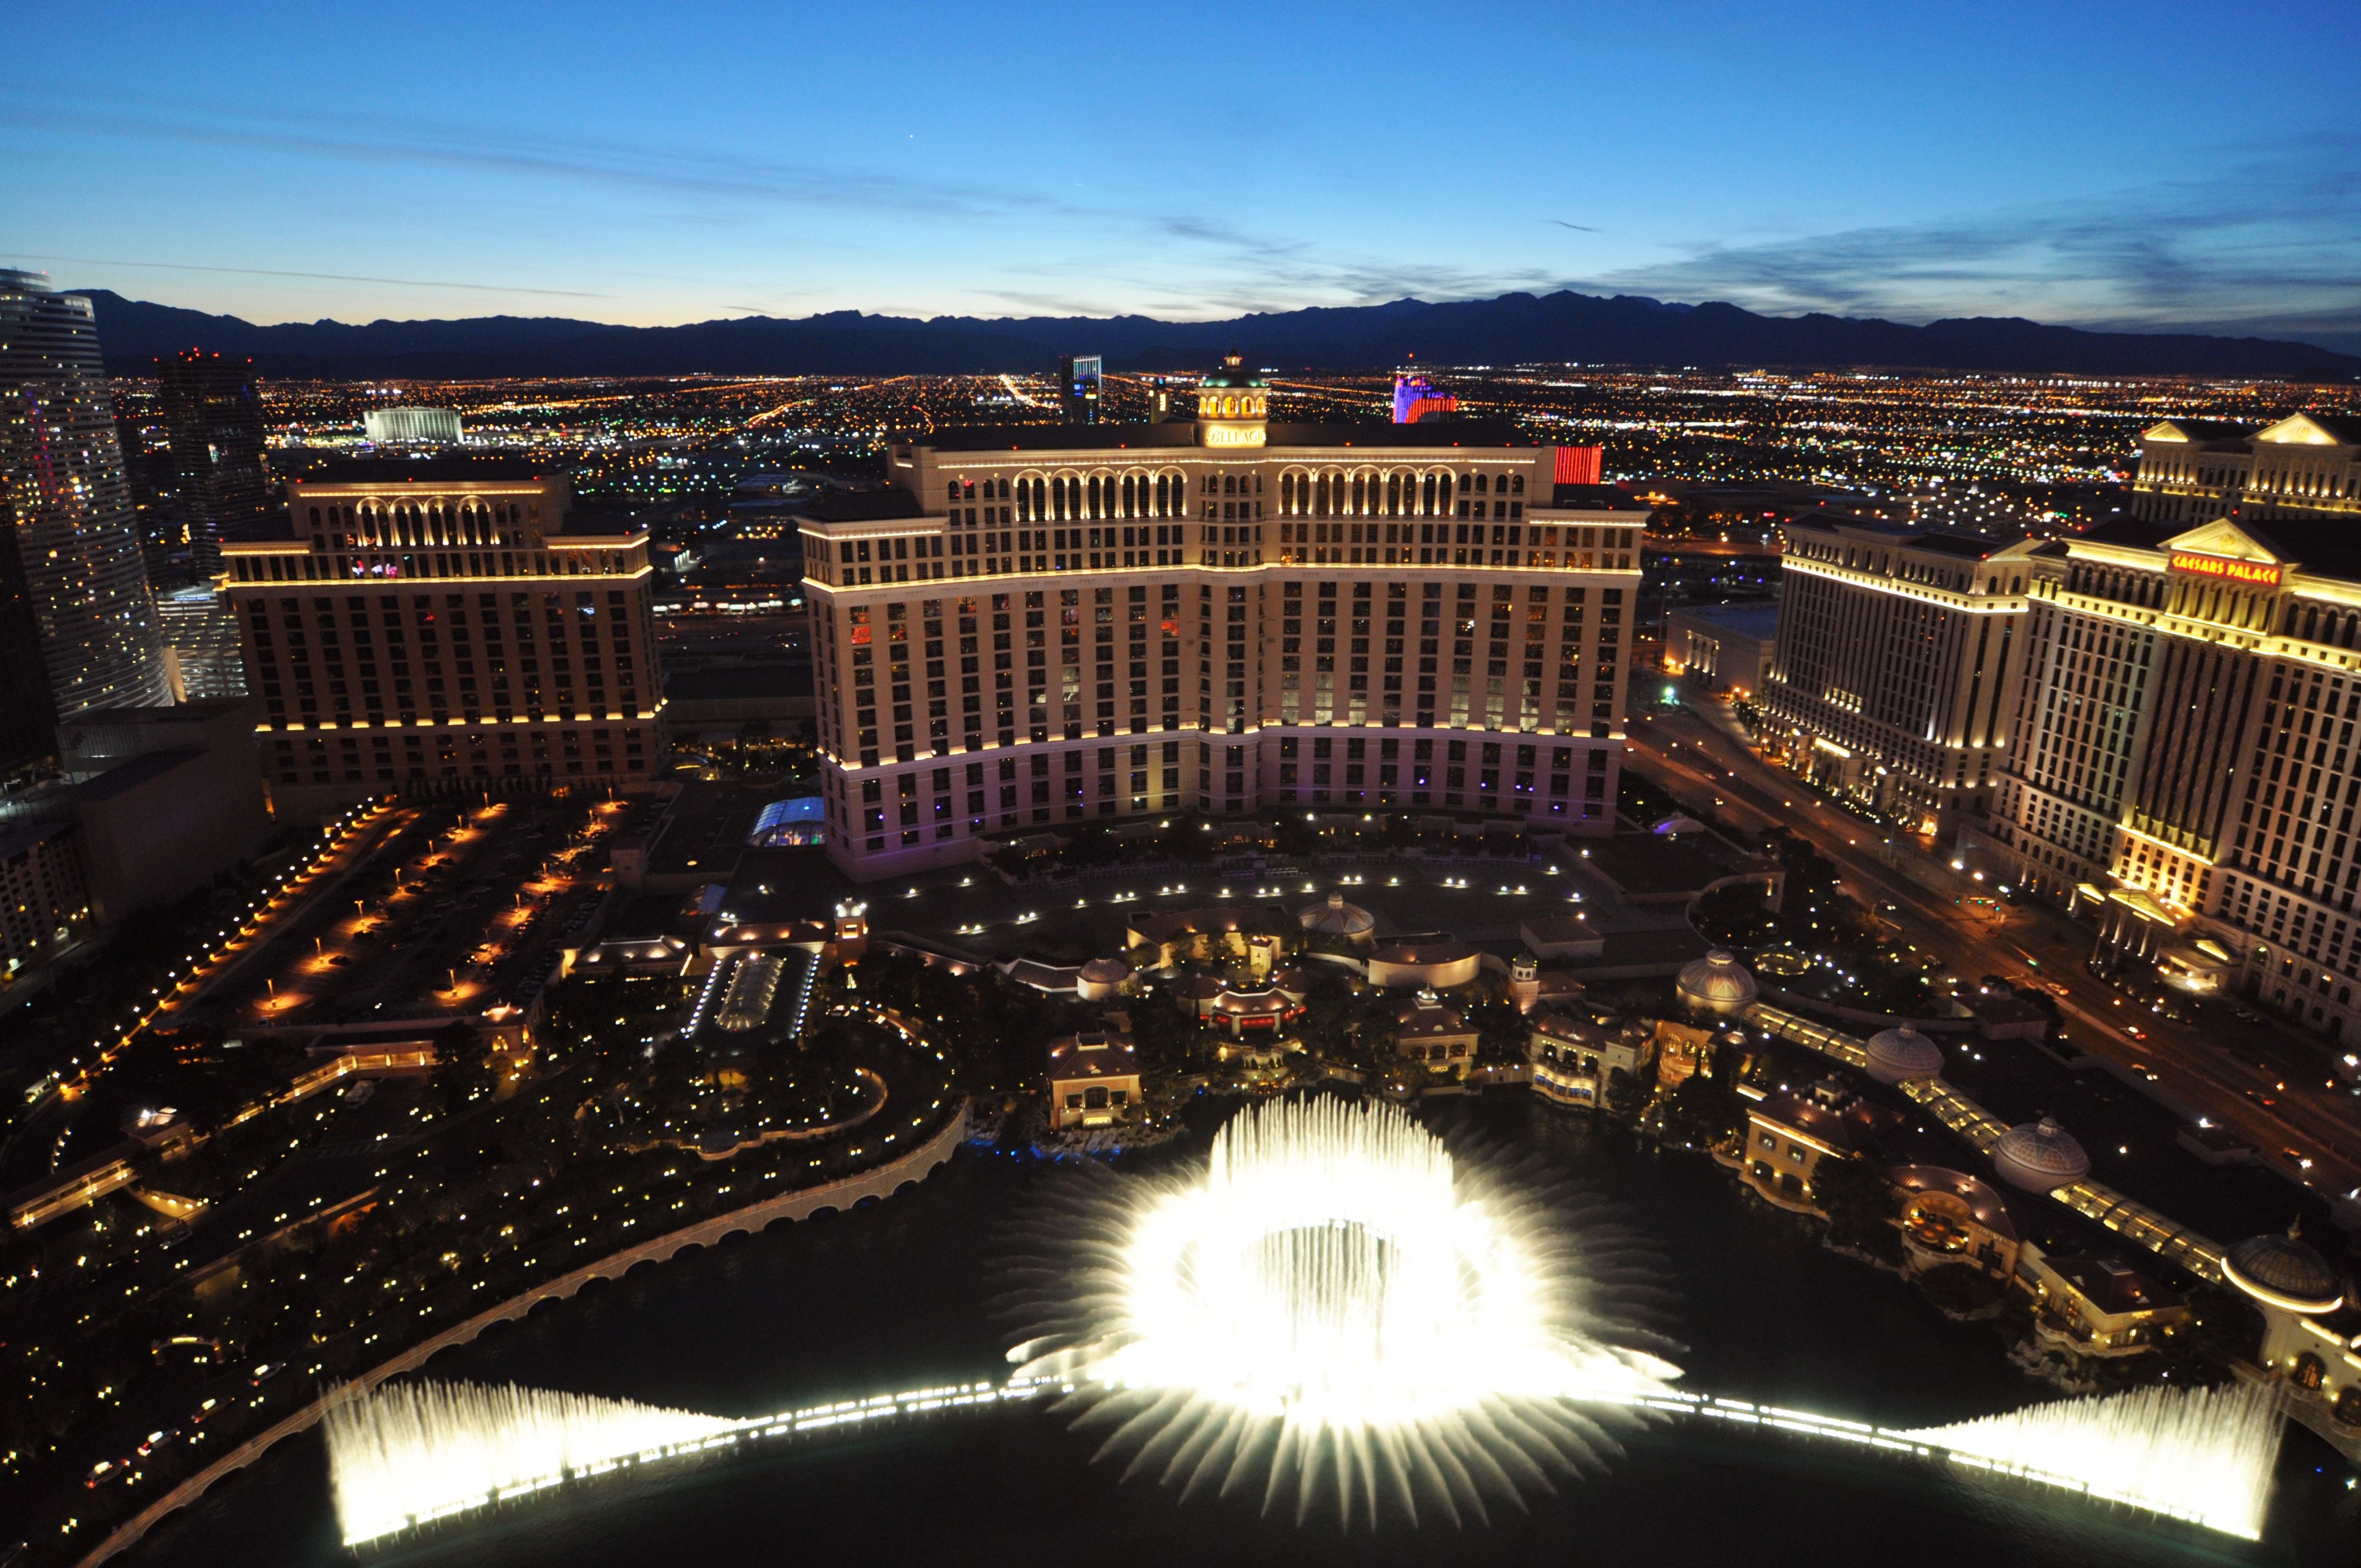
[
  {"x": 2262, "y": 574},
  {"x": 1579, "y": 465}
]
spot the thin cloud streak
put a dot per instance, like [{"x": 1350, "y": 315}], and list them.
[
  {"x": 322, "y": 277},
  {"x": 1253, "y": 271},
  {"x": 2284, "y": 231},
  {"x": 2275, "y": 236},
  {"x": 647, "y": 170}
]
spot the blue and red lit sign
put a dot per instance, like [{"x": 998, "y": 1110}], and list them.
[{"x": 1415, "y": 398}]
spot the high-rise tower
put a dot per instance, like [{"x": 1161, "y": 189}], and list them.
[
  {"x": 67, "y": 509},
  {"x": 1041, "y": 625},
  {"x": 215, "y": 414},
  {"x": 1078, "y": 388}
]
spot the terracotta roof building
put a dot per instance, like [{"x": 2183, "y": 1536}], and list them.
[
  {"x": 1434, "y": 1036},
  {"x": 2096, "y": 1306},
  {"x": 1094, "y": 1080}
]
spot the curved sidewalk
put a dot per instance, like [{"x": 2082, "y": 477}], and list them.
[{"x": 883, "y": 1181}]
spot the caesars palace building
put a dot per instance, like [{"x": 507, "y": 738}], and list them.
[
  {"x": 2183, "y": 758},
  {"x": 1046, "y": 625}
]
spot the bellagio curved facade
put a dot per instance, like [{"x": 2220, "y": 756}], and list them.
[
  {"x": 63, "y": 495},
  {"x": 1040, "y": 626}
]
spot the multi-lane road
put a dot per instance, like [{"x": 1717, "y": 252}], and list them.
[{"x": 2223, "y": 1069}]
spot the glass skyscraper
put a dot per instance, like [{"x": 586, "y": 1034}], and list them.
[
  {"x": 67, "y": 507},
  {"x": 215, "y": 414},
  {"x": 1078, "y": 388}
]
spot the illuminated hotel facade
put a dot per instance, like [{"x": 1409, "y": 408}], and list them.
[
  {"x": 2187, "y": 768},
  {"x": 1040, "y": 626},
  {"x": 448, "y": 626},
  {"x": 75, "y": 584},
  {"x": 1891, "y": 675},
  {"x": 2305, "y": 467}
]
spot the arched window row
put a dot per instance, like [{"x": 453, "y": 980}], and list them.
[
  {"x": 1232, "y": 405},
  {"x": 1080, "y": 497},
  {"x": 2337, "y": 629},
  {"x": 370, "y": 525},
  {"x": 1371, "y": 492}
]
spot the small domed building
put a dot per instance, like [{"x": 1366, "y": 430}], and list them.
[
  {"x": 2308, "y": 1330},
  {"x": 2284, "y": 1273},
  {"x": 1100, "y": 980},
  {"x": 1716, "y": 985},
  {"x": 1897, "y": 1055},
  {"x": 1333, "y": 917},
  {"x": 2040, "y": 1157}
]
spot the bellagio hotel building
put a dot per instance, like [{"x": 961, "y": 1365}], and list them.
[
  {"x": 453, "y": 625},
  {"x": 1039, "y": 626}
]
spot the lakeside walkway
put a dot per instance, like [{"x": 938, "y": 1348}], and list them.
[
  {"x": 1980, "y": 1130},
  {"x": 880, "y": 1182}
]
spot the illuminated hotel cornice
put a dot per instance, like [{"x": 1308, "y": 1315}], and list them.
[
  {"x": 2293, "y": 584},
  {"x": 1880, "y": 582},
  {"x": 437, "y": 625}
]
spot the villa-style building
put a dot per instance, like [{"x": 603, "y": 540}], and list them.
[
  {"x": 1094, "y": 1080},
  {"x": 1574, "y": 1063},
  {"x": 1534, "y": 989},
  {"x": 2094, "y": 1305},
  {"x": 1427, "y": 1032},
  {"x": 1562, "y": 935},
  {"x": 1246, "y": 1009},
  {"x": 1257, "y": 933},
  {"x": 1787, "y": 1136},
  {"x": 1682, "y": 1050}
]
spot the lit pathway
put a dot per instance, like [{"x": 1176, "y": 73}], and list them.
[{"x": 1980, "y": 1129}]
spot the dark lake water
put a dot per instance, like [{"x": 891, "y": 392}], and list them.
[{"x": 898, "y": 1296}]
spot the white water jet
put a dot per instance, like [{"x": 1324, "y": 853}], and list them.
[
  {"x": 405, "y": 1453},
  {"x": 1339, "y": 1316},
  {"x": 2204, "y": 1455}
]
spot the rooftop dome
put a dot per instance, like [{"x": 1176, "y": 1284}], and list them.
[
  {"x": 2040, "y": 1157},
  {"x": 1106, "y": 970},
  {"x": 2281, "y": 1271},
  {"x": 1233, "y": 373},
  {"x": 1334, "y": 917},
  {"x": 1715, "y": 983},
  {"x": 1898, "y": 1054}
]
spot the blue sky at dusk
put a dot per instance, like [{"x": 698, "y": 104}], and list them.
[{"x": 2151, "y": 165}]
